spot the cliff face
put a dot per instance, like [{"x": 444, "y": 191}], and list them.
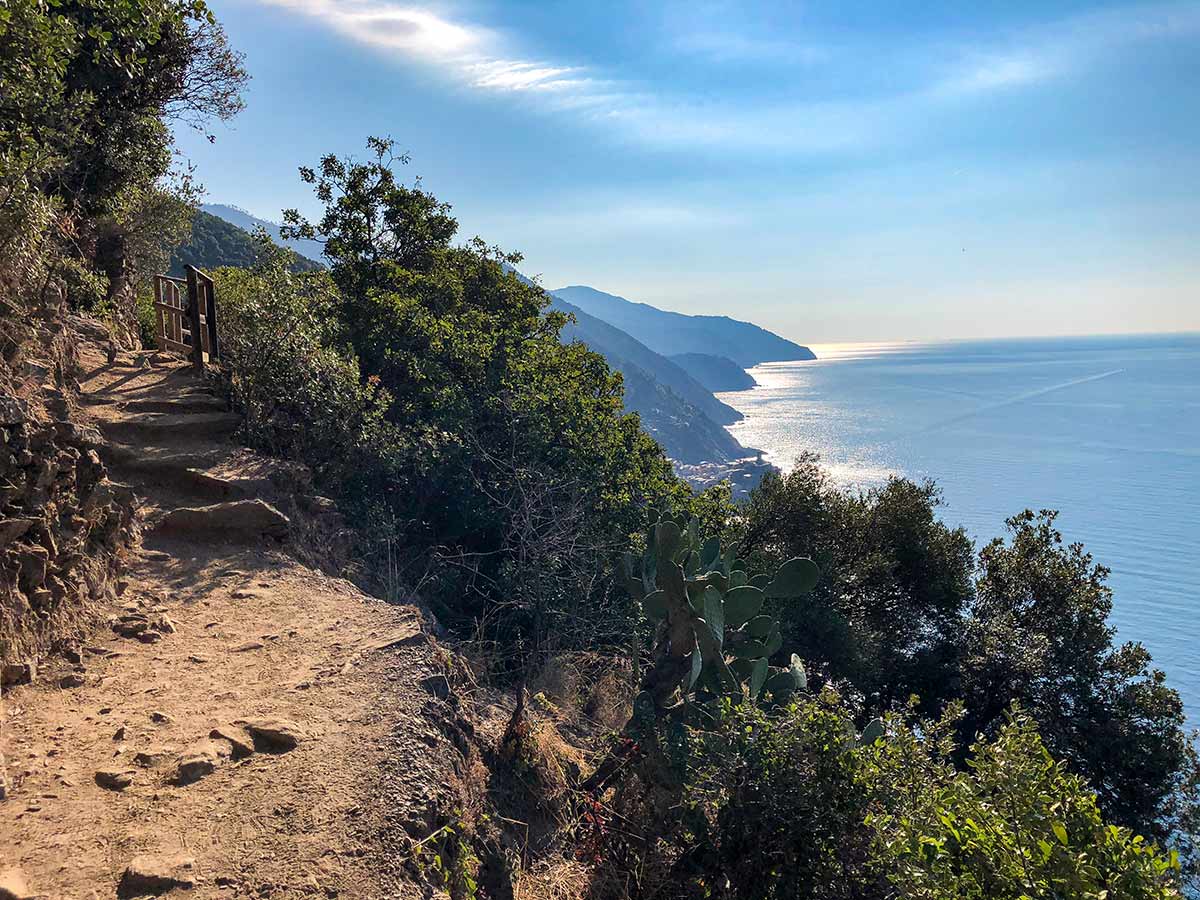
[
  {"x": 716, "y": 373},
  {"x": 63, "y": 522}
]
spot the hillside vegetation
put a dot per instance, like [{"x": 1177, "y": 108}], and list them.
[
  {"x": 215, "y": 242},
  {"x": 817, "y": 693},
  {"x": 308, "y": 248},
  {"x": 675, "y": 408}
]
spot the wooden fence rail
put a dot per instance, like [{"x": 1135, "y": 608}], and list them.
[{"x": 185, "y": 311}]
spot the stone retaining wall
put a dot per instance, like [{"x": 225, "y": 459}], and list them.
[{"x": 63, "y": 523}]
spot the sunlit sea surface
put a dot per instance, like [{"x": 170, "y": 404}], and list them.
[{"x": 1106, "y": 430}]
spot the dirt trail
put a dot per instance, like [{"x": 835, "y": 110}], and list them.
[{"x": 245, "y": 726}]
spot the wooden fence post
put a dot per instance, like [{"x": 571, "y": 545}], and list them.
[
  {"x": 193, "y": 286},
  {"x": 210, "y": 314}
]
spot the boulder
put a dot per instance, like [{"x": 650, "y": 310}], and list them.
[
  {"x": 18, "y": 673},
  {"x": 34, "y": 558},
  {"x": 200, "y": 760},
  {"x": 153, "y": 757},
  {"x": 130, "y": 626},
  {"x": 11, "y": 529},
  {"x": 239, "y": 739},
  {"x": 273, "y": 735},
  {"x": 238, "y": 519},
  {"x": 152, "y": 873},
  {"x": 115, "y": 779}
]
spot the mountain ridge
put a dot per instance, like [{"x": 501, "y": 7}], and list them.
[
  {"x": 671, "y": 333},
  {"x": 247, "y": 221},
  {"x": 686, "y": 432}
]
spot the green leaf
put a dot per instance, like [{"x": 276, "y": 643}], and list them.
[
  {"x": 654, "y": 605},
  {"x": 710, "y": 552},
  {"x": 1060, "y": 832},
  {"x": 774, "y": 642},
  {"x": 633, "y": 585},
  {"x": 795, "y": 577},
  {"x": 666, "y": 539},
  {"x": 781, "y": 684},
  {"x": 697, "y": 667},
  {"x": 873, "y": 732},
  {"x": 760, "y": 627},
  {"x": 1046, "y": 847},
  {"x": 670, "y": 579},
  {"x": 742, "y": 668},
  {"x": 758, "y": 676},
  {"x": 750, "y": 650},
  {"x": 715, "y": 612},
  {"x": 742, "y": 604},
  {"x": 797, "y": 669},
  {"x": 650, "y": 568}
]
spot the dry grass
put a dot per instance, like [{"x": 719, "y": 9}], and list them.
[
  {"x": 586, "y": 689},
  {"x": 553, "y": 880}
]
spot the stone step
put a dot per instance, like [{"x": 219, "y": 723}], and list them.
[
  {"x": 235, "y": 521},
  {"x": 219, "y": 487},
  {"x": 182, "y": 403},
  {"x": 161, "y": 464},
  {"x": 154, "y": 427}
]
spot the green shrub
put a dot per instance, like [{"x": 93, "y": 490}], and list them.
[
  {"x": 302, "y": 397},
  {"x": 1014, "y": 824},
  {"x": 796, "y": 802}
]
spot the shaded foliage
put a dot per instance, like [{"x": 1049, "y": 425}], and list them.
[
  {"x": 887, "y": 616},
  {"x": 1039, "y": 634},
  {"x": 87, "y": 88},
  {"x": 796, "y": 802}
]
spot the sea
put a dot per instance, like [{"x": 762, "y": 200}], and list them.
[{"x": 1106, "y": 430}]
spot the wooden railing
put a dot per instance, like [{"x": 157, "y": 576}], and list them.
[{"x": 185, "y": 310}]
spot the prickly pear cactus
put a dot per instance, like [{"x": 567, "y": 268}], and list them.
[{"x": 714, "y": 640}]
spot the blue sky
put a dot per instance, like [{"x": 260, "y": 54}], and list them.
[{"x": 833, "y": 171}]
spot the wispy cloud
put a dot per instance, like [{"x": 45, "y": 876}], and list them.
[
  {"x": 470, "y": 53},
  {"x": 483, "y": 59},
  {"x": 1058, "y": 49}
]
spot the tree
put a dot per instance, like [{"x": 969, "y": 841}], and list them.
[
  {"x": 486, "y": 396},
  {"x": 886, "y": 617},
  {"x": 87, "y": 88},
  {"x": 797, "y": 802},
  {"x": 1038, "y": 633}
]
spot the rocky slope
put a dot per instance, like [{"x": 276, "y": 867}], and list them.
[{"x": 64, "y": 523}]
